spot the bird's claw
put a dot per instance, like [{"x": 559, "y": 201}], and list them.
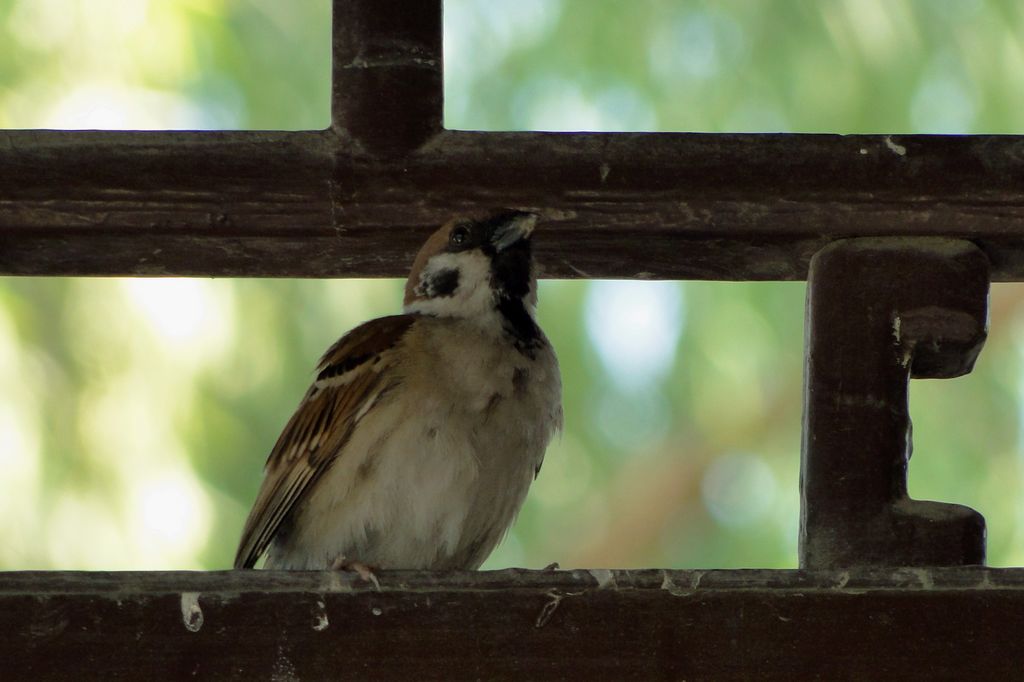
[{"x": 359, "y": 568}]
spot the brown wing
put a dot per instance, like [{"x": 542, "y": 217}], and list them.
[{"x": 349, "y": 377}]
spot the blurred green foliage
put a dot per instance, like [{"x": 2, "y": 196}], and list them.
[{"x": 136, "y": 414}]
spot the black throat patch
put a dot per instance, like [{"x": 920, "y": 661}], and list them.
[
  {"x": 519, "y": 324},
  {"x": 511, "y": 275}
]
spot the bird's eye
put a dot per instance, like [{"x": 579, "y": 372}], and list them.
[{"x": 459, "y": 236}]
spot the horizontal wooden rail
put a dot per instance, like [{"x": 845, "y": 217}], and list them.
[
  {"x": 906, "y": 624},
  {"x": 359, "y": 198},
  {"x": 641, "y": 205}
]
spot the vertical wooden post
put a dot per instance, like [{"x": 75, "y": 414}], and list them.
[
  {"x": 880, "y": 311},
  {"x": 387, "y": 74}
]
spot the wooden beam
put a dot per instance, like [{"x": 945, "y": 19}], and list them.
[
  {"x": 906, "y": 624},
  {"x": 387, "y": 89},
  {"x": 318, "y": 204},
  {"x": 359, "y": 198}
]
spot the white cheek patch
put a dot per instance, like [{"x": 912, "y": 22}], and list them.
[
  {"x": 436, "y": 282},
  {"x": 472, "y": 295}
]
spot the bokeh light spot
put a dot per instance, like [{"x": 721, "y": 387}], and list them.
[
  {"x": 738, "y": 489},
  {"x": 635, "y": 328},
  {"x": 170, "y": 518}
]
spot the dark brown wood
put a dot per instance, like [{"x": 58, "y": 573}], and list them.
[
  {"x": 905, "y": 624},
  {"x": 387, "y": 89},
  {"x": 880, "y": 311},
  {"x": 316, "y": 204},
  {"x": 163, "y": 203}
]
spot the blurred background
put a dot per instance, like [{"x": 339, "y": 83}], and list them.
[{"x": 136, "y": 414}]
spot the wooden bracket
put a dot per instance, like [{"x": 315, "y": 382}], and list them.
[{"x": 880, "y": 311}]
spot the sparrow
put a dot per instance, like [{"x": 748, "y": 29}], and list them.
[{"x": 421, "y": 433}]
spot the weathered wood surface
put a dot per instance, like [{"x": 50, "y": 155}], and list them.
[
  {"x": 905, "y": 624},
  {"x": 359, "y": 198},
  {"x": 316, "y": 204},
  {"x": 387, "y": 91},
  {"x": 880, "y": 311}
]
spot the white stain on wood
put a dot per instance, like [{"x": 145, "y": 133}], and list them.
[{"x": 191, "y": 612}]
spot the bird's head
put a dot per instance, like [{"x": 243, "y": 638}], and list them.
[{"x": 475, "y": 268}]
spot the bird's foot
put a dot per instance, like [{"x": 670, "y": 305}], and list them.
[
  {"x": 362, "y": 570},
  {"x": 553, "y": 566}
]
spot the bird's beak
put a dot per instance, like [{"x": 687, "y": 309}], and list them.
[{"x": 519, "y": 226}]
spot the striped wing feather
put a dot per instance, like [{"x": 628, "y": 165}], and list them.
[{"x": 349, "y": 376}]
